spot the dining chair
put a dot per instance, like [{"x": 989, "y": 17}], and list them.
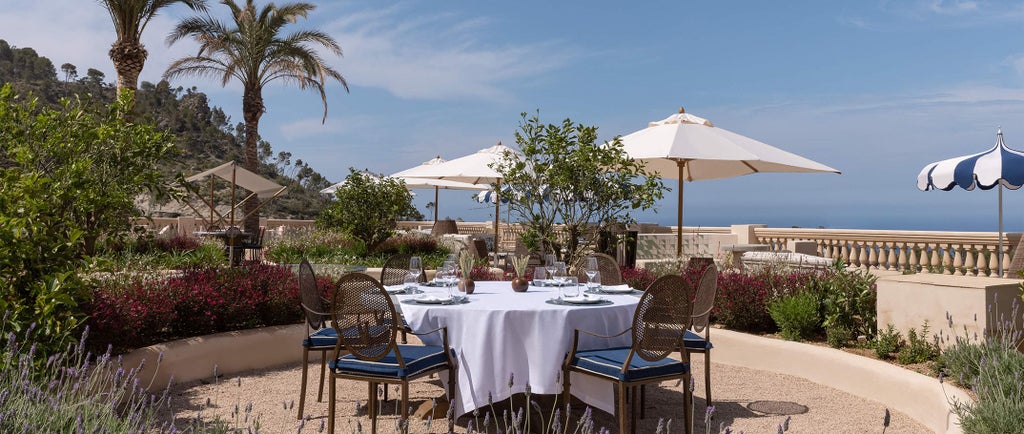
[
  {"x": 319, "y": 336},
  {"x": 364, "y": 316},
  {"x": 253, "y": 248},
  {"x": 609, "y": 268},
  {"x": 393, "y": 273},
  {"x": 661, "y": 317},
  {"x": 704, "y": 301}
]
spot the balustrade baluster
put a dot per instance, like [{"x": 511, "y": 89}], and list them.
[
  {"x": 982, "y": 261},
  {"x": 904, "y": 262},
  {"x": 892, "y": 263},
  {"x": 844, "y": 252},
  {"x": 1006, "y": 258},
  {"x": 957, "y": 250},
  {"x": 914, "y": 263},
  {"x": 873, "y": 255},
  {"x": 862, "y": 255},
  {"x": 993, "y": 260},
  {"x": 947, "y": 261},
  {"x": 933, "y": 266},
  {"x": 970, "y": 260}
]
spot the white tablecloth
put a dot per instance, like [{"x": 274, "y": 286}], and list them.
[{"x": 500, "y": 333}]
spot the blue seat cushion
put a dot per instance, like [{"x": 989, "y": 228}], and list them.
[
  {"x": 608, "y": 363},
  {"x": 418, "y": 358},
  {"x": 693, "y": 341},
  {"x": 325, "y": 337}
]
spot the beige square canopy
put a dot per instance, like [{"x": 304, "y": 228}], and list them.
[{"x": 260, "y": 187}]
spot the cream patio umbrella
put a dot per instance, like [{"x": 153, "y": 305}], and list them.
[
  {"x": 687, "y": 147},
  {"x": 474, "y": 168},
  {"x": 437, "y": 184}
]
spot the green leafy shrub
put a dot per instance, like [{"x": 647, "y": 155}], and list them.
[
  {"x": 366, "y": 207},
  {"x": 918, "y": 349},
  {"x": 888, "y": 342},
  {"x": 848, "y": 299},
  {"x": 316, "y": 246},
  {"x": 68, "y": 177},
  {"x": 796, "y": 315},
  {"x": 837, "y": 336}
]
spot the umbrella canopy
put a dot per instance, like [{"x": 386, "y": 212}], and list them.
[
  {"x": 687, "y": 147},
  {"x": 436, "y": 184},
  {"x": 474, "y": 168},
  {"x": 998, "y": 166}
]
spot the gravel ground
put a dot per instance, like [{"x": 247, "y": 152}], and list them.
[{"x": 745, "y": 400}]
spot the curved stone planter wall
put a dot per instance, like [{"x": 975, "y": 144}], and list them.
[{"x": 916, "y": 395}]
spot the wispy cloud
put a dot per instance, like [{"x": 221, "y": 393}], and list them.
[
  {"x": 441, "y": 56},
  {"x": 951, "y": 7}
]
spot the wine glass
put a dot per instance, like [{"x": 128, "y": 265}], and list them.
[
  {"x": 561, "y": 276},
  {"x": 591, "y": 269},
  {"x": 449, "y": 277},
  {"x": 549, "y": 265},
  {"x": 594, "y": 283},
  {"x": 415, "y": 266}
]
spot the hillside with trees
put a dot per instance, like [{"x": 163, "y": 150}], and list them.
[{"x": 205, "y": 135}]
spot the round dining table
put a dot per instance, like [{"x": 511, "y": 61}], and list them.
[{"x": 504, "y": 338}]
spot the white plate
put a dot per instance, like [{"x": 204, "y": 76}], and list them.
[
  {"x": 432, "y": 299},
  {"x": 590, "y": 299},
  {"x": 616, "y": 289}
]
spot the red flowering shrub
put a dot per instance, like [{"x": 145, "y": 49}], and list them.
[
  {"x": 177, "y": 243},
  {"x": 743, "y": 297},
  {"x": 638, "y": 278},
  {"x": 135, "y": 312},
  {"x": 483, "y": 272}
]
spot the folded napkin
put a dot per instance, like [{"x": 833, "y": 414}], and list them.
[
  {"x": 392, "y": 289},
  {"x": 616, "y": 288}
]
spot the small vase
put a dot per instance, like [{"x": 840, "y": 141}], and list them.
[
  {"x": 467, "y": 285},
  {"x": 520, "y": 284}
]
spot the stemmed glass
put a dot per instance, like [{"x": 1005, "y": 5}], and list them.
[
  {"x": 449, "y": 276},
  {"x": 561, "y": 276},
  {"x": 549, "y": 265},
  {"x": 591, "y": 270},
  {"x": 415, "y": 266},
  {"x": 570, "y": 289}
]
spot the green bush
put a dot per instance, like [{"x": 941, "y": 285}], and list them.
[
  {"x": 67, "y": 177},
  {"x": 796, "y": 315},
  {"x": 366, "y": 207},
  {"x": 316, "y": 246},
  {"x": 918, "y": 349},
  {"x": 838, "y": 335},
  {"x": 888, "y": 342},
  {"x": 847, "y": 299}
]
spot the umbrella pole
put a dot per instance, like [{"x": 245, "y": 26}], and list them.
[
  {"x": 233, "y": 195},
  {"x": 435, "y": 204},
  {"x": 497, "y": 210},
  {"x": 679, "y": 213},
  {"x": 1000, "y": 257}
]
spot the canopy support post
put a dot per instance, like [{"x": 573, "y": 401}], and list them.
[
  {"x": 679, "y": 211},
  {"x": 1000, "y": 254}
]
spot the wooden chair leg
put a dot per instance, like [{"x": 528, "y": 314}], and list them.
[
  {"x": 643, "y": 400},
  {"x": 323, "y": 371},
  {"x": 707, "y": 377},
  {"x": 688, "y": 404},
  {"x": 623, "y": 421},
  {"x": 566, "y": 393},
  {"x": 632, "y": 411},
  {"x": 330, "y": 407},
  {"x": 373, "y": 408},
  {"x": 302, "y": 388},
  {"x": 405, "y": 402}
]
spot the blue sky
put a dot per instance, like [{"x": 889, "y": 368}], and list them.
[{"x": 877, "y": 89}]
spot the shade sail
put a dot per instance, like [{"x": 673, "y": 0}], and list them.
[{"x": 230, "y": 171}]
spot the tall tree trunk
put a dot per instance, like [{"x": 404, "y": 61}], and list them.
[
  {"x": 252, "y": 110},
  {"x": 129, "y": 57}
]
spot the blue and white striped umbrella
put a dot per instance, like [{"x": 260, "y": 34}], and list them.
[{"x": 999, "y": 166}]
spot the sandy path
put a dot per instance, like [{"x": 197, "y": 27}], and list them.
[{"x": 273, "y": 394}]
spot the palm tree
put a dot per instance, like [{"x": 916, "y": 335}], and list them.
[
  {"x": 253, "y": 51},
  {"x": 130, "y": 18}
]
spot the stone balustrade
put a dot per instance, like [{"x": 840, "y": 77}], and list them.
[
  {"x": 935, "y": 252},
  {"x": 953, "y": 253}
]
